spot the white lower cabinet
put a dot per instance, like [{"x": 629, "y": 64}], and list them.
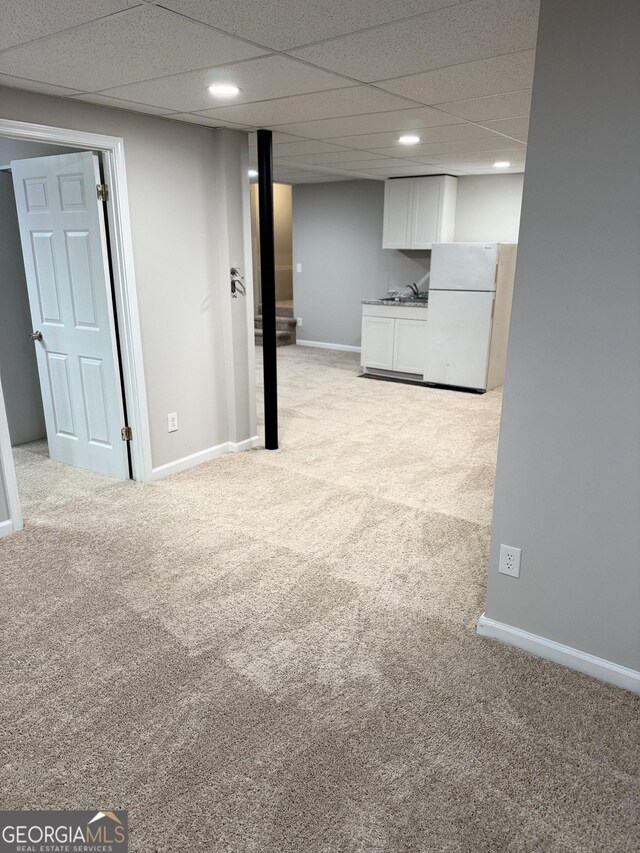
[
  {"x": 393, "y": 338},
  {"x": 409, "y": 346},
  {"x": 377, "y": 342}
]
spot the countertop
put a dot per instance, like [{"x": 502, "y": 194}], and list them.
[{"x": 397, "y": 303}]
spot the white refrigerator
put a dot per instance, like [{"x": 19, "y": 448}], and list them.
[{"x": 470, "y": 293}]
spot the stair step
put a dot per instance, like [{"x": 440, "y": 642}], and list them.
[
  {"x": 283, "y": 339},
  {"x": 282, "y": 323},
  {"x": 281, "y": 311}
]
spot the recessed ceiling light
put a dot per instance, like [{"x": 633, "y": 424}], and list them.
[
  {"x": 224, "y": 90},
  {"x": 409, "y": 139},
  {"x": 501, "y": 164},
  {"x": 253, "y": 173}
]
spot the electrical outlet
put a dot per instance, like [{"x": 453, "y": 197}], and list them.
[
  {"x": 172, "y": 422},
  {"x": 299, "y": 322},
  {"x": 509, "y": 561},
  {"x": 298, "y": 267}
]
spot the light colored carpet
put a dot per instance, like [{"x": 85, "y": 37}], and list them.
[
  {"x": 276, "y": 652},
  {"x": 43, "y": 482}
]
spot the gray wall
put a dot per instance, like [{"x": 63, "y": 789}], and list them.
[
  {"x": 234, "y": 233},
  {"x": 183, "y": 289},
  {"x": 337, "y": 237},
  {"x": 17, "y": 354},
  {"x": 568, "y": 479},
  {"x": 18, "y": 368}
]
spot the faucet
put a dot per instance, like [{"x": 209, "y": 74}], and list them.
[{"x": 413, "y": 287}]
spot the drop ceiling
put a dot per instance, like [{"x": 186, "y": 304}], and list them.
[{"x": 338, "y": 81}]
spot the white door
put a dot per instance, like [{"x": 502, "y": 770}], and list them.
[
  {"x": 409, "y": 345},
  {"x": 63, "y": 239},
  {"x": 458, "y": 337},
  {"x": 377, "y": 342},
  {"x": 398, "y": 213}
]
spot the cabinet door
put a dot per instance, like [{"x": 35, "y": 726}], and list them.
[
  {"x": 427, "y": 197},
  {"x": 410, "y": 346},
  {"x": 398, "y": 214},
  {"x": 377, "y": 342}
]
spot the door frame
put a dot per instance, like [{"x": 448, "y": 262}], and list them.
[{"x": 126, "y": 301}]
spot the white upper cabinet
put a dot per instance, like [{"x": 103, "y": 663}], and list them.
[
  {"x": 419, "y": 212},
  {"x": 398, "y": 217}
]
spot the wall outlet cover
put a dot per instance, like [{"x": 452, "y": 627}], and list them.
[
  {"x": 299, "y": 322},
  {"x": 509, "y": 561},
  {"x": 172, "y": 422},
  {"x": 298, "y": 267}
]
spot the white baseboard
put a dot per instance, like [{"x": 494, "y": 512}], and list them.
[
  {"x": 321, "y": 345},
  {"x": 605, "y": 670},
  {"x": 6, "y": 528},
  {"x": 247, "y": 444},
  {"x": 202, "y": 456}
]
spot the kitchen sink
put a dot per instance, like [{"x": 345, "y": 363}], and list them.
[{"x": 403, "y": 299}]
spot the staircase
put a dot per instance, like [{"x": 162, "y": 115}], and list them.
[{"x": 285, "y": 326}]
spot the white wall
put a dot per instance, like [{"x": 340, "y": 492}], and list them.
[
  {"x": 337, "y": 237},
  {"x": 18, "y": 367},
  {"x": 568, "y": 478},
  {"x": 488, "y": 208},
  {"x": 183, "y": 288}
]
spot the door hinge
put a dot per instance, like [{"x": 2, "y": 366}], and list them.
[
  {"x": 103, "y": 192},
  {"x": 126, "y": 433}
]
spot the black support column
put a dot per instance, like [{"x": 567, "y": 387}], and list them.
[{"x": 268, "y": 288}]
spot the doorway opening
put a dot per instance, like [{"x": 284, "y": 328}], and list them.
[
  {"x": 42, "y": 309},
  {"x": 283, "y": 238},
  {"x": 72, "y": 402}
]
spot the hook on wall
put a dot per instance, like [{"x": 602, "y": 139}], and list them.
[{"x": 237, "y": 283}]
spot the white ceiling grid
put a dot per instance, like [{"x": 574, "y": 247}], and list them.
[{"x": 337, "y": 81}]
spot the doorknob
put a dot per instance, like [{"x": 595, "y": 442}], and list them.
[{"x": 36, "y": 336}]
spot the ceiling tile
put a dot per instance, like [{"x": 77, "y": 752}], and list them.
[
  {"x": 31, "y": 19},
  {"x": 258, "y": 80},
  {"x": 141, "y": 43},
  {"x": 491, "y": 106},
  {"x": 283, "y": 24},
  {"x": 460, "y": 146},
  {"x": 456, "y": 34},
  {"x": 303, "y": 146},
  {"x": 470, "y": 158},
  {"x": 192, "y": 118},
  {"x": 310, "y": 178},
  {"x": 381, "y": 163},
  {"x": 35, "y": 86},
  {"x": 94, "y": 98},
  {"x": 415, "y": 169},
  {"x": 517, "y": 128},
  {"x": 276, "y": 138},
  {"x": 426, "y": 134},
  {"x": 488, "y": 170},
  {"x": 337, "y": 156},
  {"x": 407, "y": 119},
  {"x": 469, "y": 80},
  {"x": 338, "y": 102}
]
